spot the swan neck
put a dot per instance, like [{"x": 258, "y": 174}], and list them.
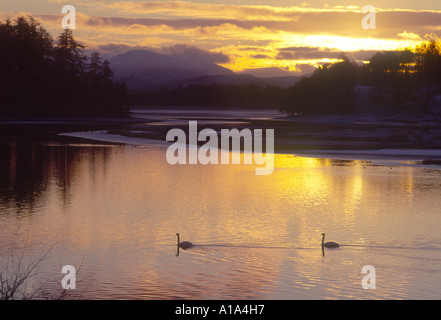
[
  {"x": 178, "y": 238},
  {"x": 323, "y": 240}
]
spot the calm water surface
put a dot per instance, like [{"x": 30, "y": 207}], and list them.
[{"x": 115, "y": 211}]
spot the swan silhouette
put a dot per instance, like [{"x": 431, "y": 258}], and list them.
[
  {"x": 184, "y": 244},
  {"x": 329, "y": 244}
]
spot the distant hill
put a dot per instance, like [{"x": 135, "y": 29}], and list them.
[
  {"x": 143, "y": 68},
  {"x": 147, "y": 69}
]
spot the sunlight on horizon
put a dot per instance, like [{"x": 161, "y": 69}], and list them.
[{"x": 321, "y": 42}]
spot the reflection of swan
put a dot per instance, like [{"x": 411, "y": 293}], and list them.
[
  {"x": 328, "y": 244},
  {"x": 184, "y": 244}
]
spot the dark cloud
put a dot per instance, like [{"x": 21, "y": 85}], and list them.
[
  {"x": 110, "y": 50},
  {"x": 345, "y": 23},
  {"x": 285, "y": 55},
  {"x": 190, "y": 53},
  {"x": 321, "y": 53},
  {"x": 261, "y": 56},
  {"x": 336, "y": 21},
  {"x": 305, "y": 68},
  {"x": 306, "y": 53},
  {"x": 389, "y": 23},
  {"x": 302, "y": 49},
  {"x": 180, "y": 51},
  {"x": 270, "y": 72},
  {"x": 253, "y": 48},
  {"x": 115, "y": 48}
]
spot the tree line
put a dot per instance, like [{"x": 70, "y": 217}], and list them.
[
  {"x": 212, "y": 96},
  {"x": 40, "y": 76}
]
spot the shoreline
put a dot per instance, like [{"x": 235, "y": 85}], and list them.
[
  {"x": 389, "y": 157},
  {"x": 345, "y": 137}
]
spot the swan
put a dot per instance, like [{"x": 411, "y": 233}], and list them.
[
  {"x": 328, "y": 244},
  {"x": 184, "y": 244}
]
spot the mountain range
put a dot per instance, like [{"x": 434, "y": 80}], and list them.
[{"x": 142, "y": 69}]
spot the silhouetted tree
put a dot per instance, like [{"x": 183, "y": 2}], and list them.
[
  {"x": 69, "y": 55},
  {"x": 25, "y": 62},
  {"x": 428, "y": 76},
  {"x": 428, "y": 62},
  {"x": 40, "y": 77},
  {"x": 214, "y": 95},
  {"x": 330, "y": 89}
]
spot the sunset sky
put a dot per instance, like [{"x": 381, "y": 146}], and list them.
[{"x": 268, "y": 37}]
